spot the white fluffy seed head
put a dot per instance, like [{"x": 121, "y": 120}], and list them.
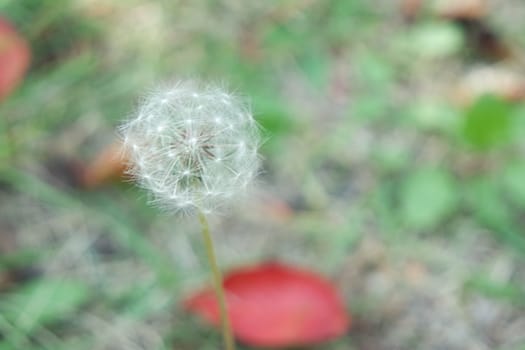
[{"x": 193, "y": 146}]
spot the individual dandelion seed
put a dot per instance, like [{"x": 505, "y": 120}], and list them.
[{"x": 193, "y": 146}]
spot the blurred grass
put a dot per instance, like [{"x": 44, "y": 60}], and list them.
[{"x": 105, "y": 211}]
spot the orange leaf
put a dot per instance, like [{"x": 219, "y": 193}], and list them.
[{"x": 109, "y": 165}]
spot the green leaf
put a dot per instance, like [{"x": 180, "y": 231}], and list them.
[
  {"x": 487, "y": 122},
  {"x": 427, "y": 197},
  {"x": 434, "y": 40},
  {"x": 434, "y": 115},
  {"x": 274, "y": 118},
  {"x": 485, "y": 199},
  {"x": 6, "y": 346},
  {"x": 514, "y": 182},
  {"x": 43, "y": 301},
  {"x": 276, "y": 122}
]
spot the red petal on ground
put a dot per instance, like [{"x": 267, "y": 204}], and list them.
[
  {"x": 14, "y": 58},
  {"x": 276, "y": 306}
]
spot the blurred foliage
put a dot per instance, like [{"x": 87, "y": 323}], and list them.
[
  {"x": 484, "y": 286},
  {"x": 428, "y": 197},
  {"x": 43, "y": 302},
  {"x": 434, "y": 40},
  {"x": 389, "y": 149},
  {"x": 55, "y": 32},
  {"x": 488, "y": 122}
]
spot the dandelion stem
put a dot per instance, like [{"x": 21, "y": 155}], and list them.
[{"x": 217, "y": 281}]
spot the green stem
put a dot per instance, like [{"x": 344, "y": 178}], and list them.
[{"x": 227, "y": 335}]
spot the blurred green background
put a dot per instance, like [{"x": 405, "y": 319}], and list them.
[{"x": 393, "y": 163}]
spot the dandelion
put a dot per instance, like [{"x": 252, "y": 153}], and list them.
[{"x": 194, "y": 147}]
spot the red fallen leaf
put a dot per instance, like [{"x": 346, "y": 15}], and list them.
[
  {"x": 14, "y": 58},
  {"x": 274, "y": 305}
]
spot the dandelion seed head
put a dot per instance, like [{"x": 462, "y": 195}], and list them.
[{"x": 190, "y": 151}]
